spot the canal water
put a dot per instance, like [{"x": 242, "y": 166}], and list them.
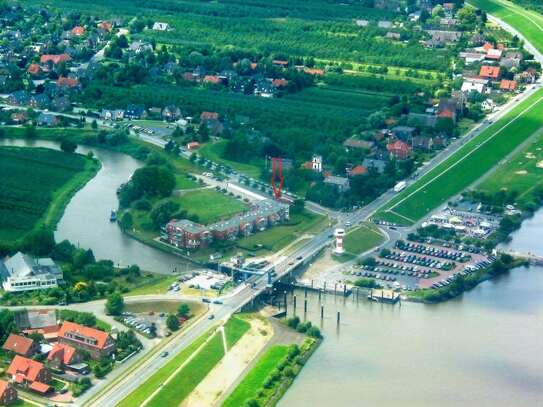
[{"x": 86, "y": 219}]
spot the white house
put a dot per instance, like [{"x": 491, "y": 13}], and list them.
[
  {"x": 24, "y": 273},
  {"x": 158, "y": 26},
  {"x": 474, "y": 84},
  {"x": 488, "y": 105},
  {"x": 316, "y": 163}
]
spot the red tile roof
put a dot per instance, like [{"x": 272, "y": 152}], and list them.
[
  {"x": 212, "y": 79},
  {"x": 34, "y": 69},
  {"x": 193, "y": 145},
  {"x": 314, "y": 71},
  {"x": 279, "y": 83},
  {"x": 105, "y": 25},
  {"x": 55, "y": 59},
  {"x": 62, "y": 352},
  {"x": 492, "y": 72},
  {"x": 67, "y": 82},
  {"x": 399, "y": 149},
  {"x": 39, "y": 387},
  {"x": 18, "y": 344},
  {"x": 358, "y": 170},
  {"x": 78, "y": 30},
  {"x": 71, "y": 327},
  {"x": 508, "y": 85},
  {"x": 25, "y": 368},
  {"x": 209, "y": 116},
  {"x": 280, "y": 62},
  {"x": 3, "y": 387},
  {"x": 488, "y": 46}
]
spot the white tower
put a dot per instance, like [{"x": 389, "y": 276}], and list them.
[
  {"x": 316, "y": 163},
  {"x": 339, "y": 234}
]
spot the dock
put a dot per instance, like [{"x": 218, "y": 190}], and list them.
[{"x": 382, "y": 295}]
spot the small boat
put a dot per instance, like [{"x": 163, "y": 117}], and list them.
[{"x": 113, "y": 216}]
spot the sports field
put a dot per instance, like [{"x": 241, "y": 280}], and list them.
[
  {"x": 527, "y": 22},
  {"x": 466, "y": 165}
]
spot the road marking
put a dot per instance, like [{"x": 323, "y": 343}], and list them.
[
  {"x": 401, "y": 216},
  {"x": 477, "y": 147}
]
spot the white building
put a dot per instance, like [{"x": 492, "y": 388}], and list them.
[
  {"x": 339, "y": 234},
  {"x": 158, "y": 26},
  {"x": 24, "y": 273},
  {"x": 474, "y": 84},
  {"x": 316, "y": 163},
  {"x": 488, "y": 105}
]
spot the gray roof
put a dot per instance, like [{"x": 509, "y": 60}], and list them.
[{"x": 22, "y": 266}]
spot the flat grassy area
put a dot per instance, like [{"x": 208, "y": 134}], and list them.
[
  {"x": 215, "y": 152},
  {"x": 254, "y": 381},
  {"x": 183, "y": 182},
  {"x": 529, "y": 23},
  {"x": 363, "y": 239},
  {"x": 234, "y": 330},
  {"x": 163, "y": 306},
  {"x": 521, "y": 174},
  {"x": 36, "y": 184},
  {"x": 280, "y": 236},
  {"x": 158, "y": 285},
  {"x": 210, "y": 205},
  {"x": 467, "y": 164},
  {"x": 137, "y": 397}
]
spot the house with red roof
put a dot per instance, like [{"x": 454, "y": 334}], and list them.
[
  {"x": 65, "y": 82},
  {"x": 279, "y": 83},
  {"x": 314, "y": 71},
  {"x": 97, "y": 343},
  {"x": 63, "y": 355},
  {"x": 508, "y": 86},
  {"x": 20, "y": 345},
  {"x": 8, "y": 393},
  {"x": 78, "y": 31},
  {"x": 193, "y": 145},
  {"x": 212, "y": 79},
  {"x": 358, "y": 170},
  {"x": 105, "y": 25},
  {"x": 209, "y": 116},
  {"x": 55, "y": 59},
  {"x": 490, "y": 72},
  {"x": 280, "y": 62},
  {"x": 399, "y": 150},
  {"x": 34, "y": 69},
  {"x": 30, "y": 373}
]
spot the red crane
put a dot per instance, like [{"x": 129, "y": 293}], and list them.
[{"x": 277, "y": 175}]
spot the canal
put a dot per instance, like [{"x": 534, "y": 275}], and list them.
[{"x": 86, "y": 219}]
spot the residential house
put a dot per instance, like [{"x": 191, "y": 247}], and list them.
[
  {"x": 39, "y": 101},
  {"x": 171, "y": 113},
  {"x": 135, "y": 112},
  {"x": 314, "y": 71},
  {"x": 316, "y": 163},
  {"x": 393, "y": 36},
  {"x": 193, "y": 145},
  {"x": 279, "y": 83},
  {"x": 494, "y": 54},
  {"x": 384, "y": 24},
  {"x": 527, "y": 76},
  {"x": 61, "y": 103},
  {"x": 471, "y": 57},
  {"x": 357, "y": 170},
  {"x": 447, "y": 109},
  {"x": 138, "y": 47},
  {"x": 187, "y": 234},
  {"x": 264, "y": 88},
  {"x": 422, "y": 119},
  {"x": 281, "y": 63},
  {"x": 404, "y": 133},
  {"x": 399, "y": 150},
  {"x": 55, "y": 59},
  {"x": 97, "y": 343},
  {"x": 68, "y": 83},
  {"x": 422, "y": 143},
  {"x": 20, "y": 345},
  {"x": 30, "y": 373},
  {"x": 63, "y": 355},
  {"x": 158, "y": 26},
  {"x": 490, "y": 72},
  {"x": 508, "y": 86},
  {"x": 24, "y": 273},
  {"x": 48, "y": 120},
  {"x": 353, "y": 143},
  {"x": 488, "y": 105},
  {"x": 105, "y": 26},
  {"x": 207, "y": 116},
  {"x": 19, "y": 117},
  {"x": 19, "y": 98},
  {"x": 78, "y": 31},
  {"x": 444, "y": 37},
  {"x": 375, "y": 164},
  {"x": 341, "y": 183},
  {"x": 8, "y": 393},
  {"x": 34, "y": 69},
  {"x": 475, "y": 85},
  {"x": 212, "y": 79},
  {"x": 362, "y": 23}
]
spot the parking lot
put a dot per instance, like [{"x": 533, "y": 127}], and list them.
[{"x": 421, "y": 265}]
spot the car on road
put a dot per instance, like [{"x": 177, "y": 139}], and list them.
[
  {"x": 164, "y": 354},
  {"x": 211, "y": 316},
  {"x": 218, "y": 302},
  {"x": 206, "y": 300}
]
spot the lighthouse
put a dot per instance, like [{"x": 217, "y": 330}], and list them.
[{"x": 339, "y": 234}]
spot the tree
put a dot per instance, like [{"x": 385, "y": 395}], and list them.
[
  {"x": 7, "y": 324},
  {"x": 40, "y": 242},
  {"x": 183, "y": 310},
  {"x": 115, "y": 304},
  {"x": 127, "y": 222},
  {"x": 172, "y": 322},
  {"x": 94, "y": 125},
  {"x": 30, "y": 132},
  {"x": 163, "y": 212},
  {"x": 68, "y": 146}
]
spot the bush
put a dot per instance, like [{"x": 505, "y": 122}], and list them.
[
  {"x": 293, "y": 322},
  {"x": 172, "y": 322}
]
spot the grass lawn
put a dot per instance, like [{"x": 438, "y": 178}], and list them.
[
  {"x": 363, "y": 239},
  {"x": 36, "y": 184},
  {"x": 467, "y": 164},
  {"x": 254, "y": 380},
  {"x": 22, "y": 403},
  {"x": 215, "y": 152},
  {"x": 155, "y": 285},
  {"x": 529, "y": 23},
  {"x": 234, "y": 330},
  {"x": 183, "y": 182},
  {"x": 280, "y": 236},
  {"x": 163, "y": 306},
  {"x": 210, "y": 205},
  {"x": 137, "y": 397},
  {"x": 522, "y": 173}
]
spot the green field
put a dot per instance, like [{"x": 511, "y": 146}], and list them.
[
  {"x": 183, "y": 182},
  {"x": 363, "y": 239},
  {"x": 520, "y": 174},
  {"x": 210, "y": 205},
  {"x": 36, "y": 184},
  {"x": 234, "y": 330},
  {"x": 467, "y": 164},
  {"x": 215, "y": 152},
  {"x": 529, "y": 23},
  {"x": 254, "y": 380}
]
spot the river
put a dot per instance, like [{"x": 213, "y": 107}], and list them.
[
  {"x": 86, "y": 219},
  {"x": 482, "y": 349}
]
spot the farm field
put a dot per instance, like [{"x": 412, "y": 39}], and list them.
[
  {"x": 36, "y": 185},
  {"x": 254, "y": 380},
  {"x": 529, "y": 23},
  {"x": 363, "y": 239},
  {"x": 466, "y": 165}
]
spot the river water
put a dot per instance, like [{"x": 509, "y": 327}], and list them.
[
  {"x": 483, "y": 349},
  {"x": 86, "y": 219}
]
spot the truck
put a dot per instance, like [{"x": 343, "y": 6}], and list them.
[{"x": 400, "y": 186}]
